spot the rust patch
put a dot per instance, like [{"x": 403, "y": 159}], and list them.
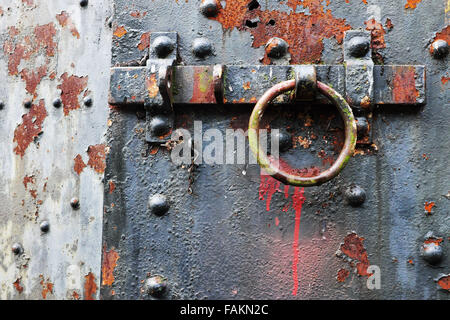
[
  {"x": 152, "y": 86},
  {"x": 75, "y": 295},
  {"x": 412, "y": 4},
  {"x": 30, "y": 128},
  {"x": 27, "y": 180},
  {"x": 304, "y": 33},
  {"x": 389, "y": 24},
  {"x": 97, "y": 157},
  {"x": 444, "y": 80},
  {"x": 33, "y": 78},
  {"x": 342, "y": 275},
  {"x": 17, "y": 286},
  {"x": 47, "y": 287},
  {"x": 120, "y": 32},
  {"x": 444, "y": 282},
  {"x": 71, "y": 87},
  {"x": 404, "y": 87},
  {"x": 436, "y": 241},
  {"x": 429, "y": 206},
  {"x": 108, "y": 265},
  {"x": 353, "y": 248},
  {"x": 112, "y": 186},
  {"x": 79, "y": 164},
  {"x": 44, "y": 37},
  {"x": 144, "y": 42},
  {"x": 443, "y": 35},
  {"x": 203, "y": 91},
  {"x": 65, "y": 21},
  {"x": 90, "y": 287},
  {"x": 377, "y": 32}
]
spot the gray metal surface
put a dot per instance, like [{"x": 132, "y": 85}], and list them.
[{"x": 49, "y": 155}]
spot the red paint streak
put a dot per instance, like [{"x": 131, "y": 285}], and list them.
[
  {"x": 71, "y": 87},
  {"x": 404, "y": 89},
  {"x": 33, "y": 78},
  {"x": 97, "y": 157},
  {"x": 79, "y": 165},
  {"x": 297, "y": 202},
  {"x": 90, "y": 287},
  {"x": 267, "y": 188},
  {"x": 64, "y": 20},
  {"x": 30, "y": 128}
]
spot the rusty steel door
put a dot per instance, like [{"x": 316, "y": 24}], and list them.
[{"x": 97, "y": 206}]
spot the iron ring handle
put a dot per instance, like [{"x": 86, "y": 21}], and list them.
[{"x": 292, "y": 178}]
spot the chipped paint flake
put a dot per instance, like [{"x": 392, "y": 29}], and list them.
[
  {"x": 79, "y": 165},
  {"x": 412, "y": 4},
  {"x": 65, "y": 21},
  {"x": 71, "y": 87},
  {"x": 33, "y": 78},
  {"x": 97, "y": 157},
  {"x": 429, "y": 206},
  {"x": 353, "y": 248},
  {"x": 109, "y": 263},
  {"x": 144, "y": 43},
  {"x": 444, "y": 282},
  {"x": 90, "y": 287},
  {"x": 120, "y": 31},
  {"x": 17, "y": 286},
  {"x": 342, "y": 275},
  {"x": 47, "y": 287}
]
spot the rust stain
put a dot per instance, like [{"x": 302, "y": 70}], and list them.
[
  {"x": 33, "y": 78},
  {"x": 112, "y": 186},
  {"x": 152, "y": 86},
  {"x": 429, "y": 206},
  {"x": 378, "y": 32},
  {"x": 444, "y": 282},
  {"x": 97, "y": 157},
  {"x": 108, "y": 265},
  {"x": 120, "y": 31},
  {"x": 30, "y": 128},
  {"x": 79, "y": 164},
  {"x": 144, "y": 42},
  {"x": 353, "y": 248},
  {"x": 404, "y": 85},
  {"x": 203, "y": 91},
  {"x": 44, "y": 37},
  {"x": 17, "y": 286},
  {"x": 47, "y": 287},
  {"x": 90, "y": 287},
  {"x": 71, "y": 87},
  {"x": 27, "y": 180},
  {"x": 445, "y": 80},
  {"x": 64, "y": 20},
  {"x": 389, "y": 25},
  {"x": 342, "y": 275},
  {"x": 303, "y": 32},
  {"x": 412, "y": 4}
]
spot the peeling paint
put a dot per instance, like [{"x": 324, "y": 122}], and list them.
[
  {"x": 120, "y": 31},
  {"x": 444, "y": 282},
  {"x": 412, "y": 4},
  {"x": 429, "y": 206},
  {"x": 45, "y": 38},
  {"x": 144, "y": 43},
  {"x": 90, "y": 287},
  {"x": 353, "y": 248},
  {"x": 109, "y": 263},
  {"x": 33, "y": 78},
  {"x": 17, "y": 286},
  {"x": 65, "y": 21},
  {"x": 71, "y": 87},
  {"x": 97, "y": 157},
  {"x": 342, "y": 275},
  {"x": 404, "y": 86},
  {"x": 79, "y": 164},
  {"x": 47, "y": 287}
]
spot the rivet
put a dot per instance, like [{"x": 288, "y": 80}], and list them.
[
  {"x": 358, "y": 46},
  {"x": 27, "y": 103},
  {"x": 276, "y": 47},
  {"x": 44, "y": 226},
  {"x": 75, "y": 203},
  {"x": 355, "y": 195},
  {"x": 163, "y": 46},
  {"x": 2, "y": 105},
  {"x": 201, "y": 47},
  {"x": 87, "y": 101},
  {"x": 57, "y": 103},
  {"x": 209, "y": 8},
  {"x": 17, "y": 248},
  {"x": 432, "y": 253},
  {"x": 158, "y": 204},
  {"x": 155, "y": 285},
  {"x": 439, "y": 49},
  {"x": 284, "y": 140},
  {"x": 84, "y": 3},
  {"x": 159, "y": 126}
]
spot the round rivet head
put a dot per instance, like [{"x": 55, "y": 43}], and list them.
[
  {"x": 439, "y": 49},
  {"x": 159, "y": 126},
  {"x": 163, "y": 46},
  {"x": 158, "y": 204},
  {"x": 355, "y": 195},
  {"x": 284, "y": 140},
  {"x": 44, "y": 226},
  {"x": 358, "y": 46},
  {"x": 276, "y": 47},
  {"x": 27, "y": 103},
  {"x": 201, "y": 47},
  {"x": 2, "y": 105},
  {"x": 88, "y": 101},
  {"x": 432, "y": 253},
  {"x": 84, "y": 3},
  {"x": 57, "y": 103},
  {"x": 156, "y": 285},
  {"x": 75, "y": 203},
  {"x": 209, "y": 8},
  {"x": 17, "y": 248}
]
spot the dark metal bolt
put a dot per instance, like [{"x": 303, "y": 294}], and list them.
[
  {"x": 84, "y": 3},
  {"x": 155, "y": 285},
  {"x": 158, "y": 204},
  {"x": 439, "y": 49},
  {"x": 2, "y": 105},
  {"x": 57, "y": 103},
  {"x": 17, "y": 248},
  {"x": 75, "y": 203},
  {"x": 163, "y": 46},
  {"x": 284, "y": 140},
  {"x": 209, "y": 8},
  {"x": 87, "y": 101},
  {"x": 362, "y": 126},
  {"x": 358, "y": 46},
  {"x": 44, "y": 226},
  {"x": 201, "y": 47},
  {"x": 355, "y": 195},
  {"x": 432, "y": 253},
  {"x": 276, "y": 47},
  {"x": 159, "y": 126},
  {"x": 27, "y": 103}
]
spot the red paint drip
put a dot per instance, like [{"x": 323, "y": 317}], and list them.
[
  {"x": 297, "y": 202},
  {"x": 267, "y": 188}
]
